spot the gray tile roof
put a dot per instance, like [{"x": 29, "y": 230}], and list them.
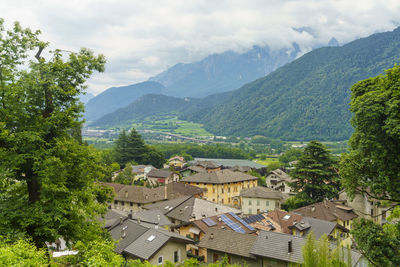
[
  {"x": 140, "y": 194},
  {"x": 151, "y": 216},
  {"x": 219, "y": 177},
  {"x": 159, "y": 173},
  {"x": 262, "y": 192},
  {"x": 319, "y": 227},
  {"x": 229, "y": 242},
  {"x": 183, "y": 209},
  {"x": 275, "y": 245},
  {"x": 136, "y": 241},
  {"x": 227, "y": 163}
]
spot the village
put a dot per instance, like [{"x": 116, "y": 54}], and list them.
[{"x": 211, "y": 208}]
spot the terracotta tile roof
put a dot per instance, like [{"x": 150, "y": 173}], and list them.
[
  {"x": 327, "y": 210},
  {"x": 219, "y": 177},
  {"x": 283, "y": 219}
]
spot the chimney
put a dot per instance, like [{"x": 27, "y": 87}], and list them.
[
  {"x": 216, "y": 209},
  {"x": 165, "y": 191},
  {"x": 156, "y": 227},
  {"x": 138, "y": 220},
  {"x": 123, "y": 233},
  {"x": 312, "y": 208},
  {"x": 290, "y": 248},
  {"x": 130, "y": 215},
  {"x": 212, "y": 236},
  {"x": 121, "y": 219}
]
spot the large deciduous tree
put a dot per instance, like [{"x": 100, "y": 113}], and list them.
[
  {"x": 314, "y": 176},
  {"x": 47, "y": 181},
  {"x": 372, "y": 166}
]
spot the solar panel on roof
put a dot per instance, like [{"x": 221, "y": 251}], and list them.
[
  {"x": 209, "y": 222},
  {"x": 234, "y": 226},
  {"x": 242, "y": 221}
]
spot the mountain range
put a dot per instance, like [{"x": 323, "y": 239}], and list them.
[{"x": 302, "y": 100}]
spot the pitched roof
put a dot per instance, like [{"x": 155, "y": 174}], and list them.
[
  {"x": 229, "y": 242},
  {"x": 219, "y": 177},
  {"x": 187, "y": 209},
  {"x": 207, "y": 164},
  {"x": 275, "y": 246},
  {"x": 176, "y": 189},
  {"x": 140, "y": 168},
  {"x": 262, "y": 192},
  {"x": 140, "y": 194},
  {"x": 196, "y": 169},
  {"x": 151, "y": 216},
  {"x": 237, "y": 168},
  {"x": 159, "y": 173},
  {"x": 137, "y": 241},
  {"x": 283, "y": 219},
  {"x": 318, "y": 227},
  {"x": 283, "y": 176},
  {"x": 116, "y": 187},
  {"x": 177, "y": 158},
  {"x": 327, "y": 210},
  {"x": 204, "y": 227},
  {"x": 227, "y": 163}
]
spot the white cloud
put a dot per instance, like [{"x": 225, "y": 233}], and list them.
[{"x": 142, "y": 38}]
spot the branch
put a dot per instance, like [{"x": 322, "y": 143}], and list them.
[{"x": 37, "y": 56}]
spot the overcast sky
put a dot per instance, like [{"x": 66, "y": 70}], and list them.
[{"x": 141, "y": 38}]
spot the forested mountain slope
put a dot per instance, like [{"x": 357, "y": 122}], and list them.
[
  {"x": 307, "y": 98},
  {"x": 117, "y": 97}
]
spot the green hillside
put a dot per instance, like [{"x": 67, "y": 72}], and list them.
[{"x": 306, "y": 99}]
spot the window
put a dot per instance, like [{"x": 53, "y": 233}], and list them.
[
  {"x": 250, "y": 202},
  {"x": 258, "y": 202},
  {"x": 222, "y": 190},
  {"x": 222, "y": 201},
  {"x": 160, "y": 260},
  {"x": 215, "y": 257},
  {"x": 250, "y": 211},
  {"x": 176, "y": 256},
  {"x": 116, "y": 202},
  {"x": 267, "y": 203},
  {"x": 229, "y": 189},
  {"x": 372, "y": 212},
  {"x": 214, "y": 190},
  {"x": 131, "y": 204}
]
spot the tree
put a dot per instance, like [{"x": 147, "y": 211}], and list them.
[
  {"x": 48, "y": 189},
  {"x": 132, "y": 148},
  {"x": 372, "y": 166},
  {"x": 290, "y": 155},
  {"x": 314, "y": 176},
  {"x": 21, "y": 253}
]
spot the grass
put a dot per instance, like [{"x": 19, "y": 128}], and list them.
[{"x": 266, "y": 161}]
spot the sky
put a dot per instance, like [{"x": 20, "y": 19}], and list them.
[{"x": 143, "y": 38}]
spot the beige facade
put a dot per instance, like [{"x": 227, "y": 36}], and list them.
[
  {"x": 367, "y": 208},
  {"x": 173, "y": 251},
  {"x": 252, "y": 205}
]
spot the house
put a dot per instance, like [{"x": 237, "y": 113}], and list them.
[
  {"x": 140, "y": 171},
  {"x": 279, "y": 180},
  {"x": 367, "y": 207},
  {"x": 295, "y": 224},
  {"x": 231, "y": 163},
  {"x": 132, "y": 198},
  {"x": 197, "y": 229},
  {"x": 177, "y": 162},
  {"x": 183, "y": 210},
  {"x": 236, "y": 246},
  {"x": 331, "y": 211},
  {"x": 259, "y": 199},
  {"x": 267, "y": 249},
  {"x": 209, "y": 166},
  {"x": 222, "y": 186},
  {"x": 152, "y": 244},
  {"x": 156, "y": 176},
  {"x": 190, "y": 170}
]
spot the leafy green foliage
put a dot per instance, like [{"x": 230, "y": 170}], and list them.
[
  {"x": 306, "y": 99},
  {"x": 290, "y": 155},
  {"x": 21, "y": 253},
  {"x": 314, "y": 175},
  {"x": 49, "y": 189},
  {"x": 318, "y": 253},
  {"x": 380, "y": 246},
  {"x": 372, "y": 165},
  {"x": 202, "y": 151},
  {"x": 132, "y": 148}
]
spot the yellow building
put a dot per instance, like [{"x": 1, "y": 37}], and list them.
[
  {"x": 177, "y": 162},
  {"x": 222, "y": 186}
]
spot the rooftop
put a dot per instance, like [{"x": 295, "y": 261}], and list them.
[
  {"x": 228, "y": 163},
  {"x": 263, "y": 192},
  {"x": 219, "y": 177},
  {"x": 327, "y": 210}
]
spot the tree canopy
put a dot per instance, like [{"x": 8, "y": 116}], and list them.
[
  {"x": 47, "y": 186},
  {"x": 372, "y": 166},
  {"x": 314, "y": 176}
]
